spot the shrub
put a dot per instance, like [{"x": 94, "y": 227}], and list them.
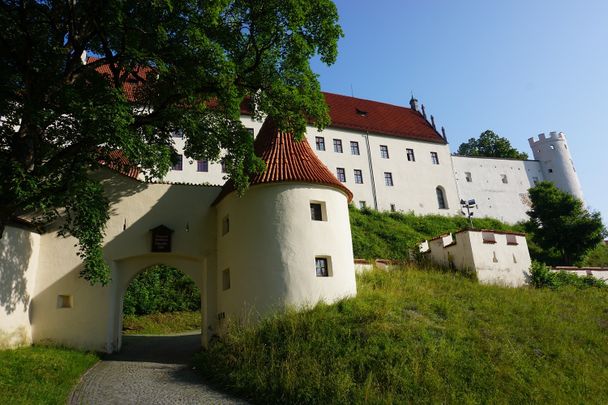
[
  {"x": 542, "y": 277},
  {"x": 161, "y": 289}
]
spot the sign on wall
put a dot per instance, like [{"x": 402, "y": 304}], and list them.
[{"x": 161, "y": 239}]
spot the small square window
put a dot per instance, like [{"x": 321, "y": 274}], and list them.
[
  {"x": 511, "y": 239},
  {"x": 225, "y": 225},
  {"x": 393, "y": 209},
  {"x": 320, "y": 143},
  {"x": 317, "y": 211},
  {"x": 358, "y": 176},
  {"x": 179, "y": 164},
  {"x": 410, "y": 155},
  {"x": 488, "y": 237},
  {"x": 468, "y": 176},
  {"x": 550, "y": 170},
  {"x": 384, "y": 151},
  {"x": 341, "y": 174},
  {"x": 354, "y": 148},
  {"x": 202, "y": 165},
  {"x": 362, "y": 205},
  {"x": 388, "y": 179},
  {"x": 434, "y": 158},
  {"x": 65, "y": 301},
  {"x": 322, "y": 266},
  {"x": 338, "y": 145},
  {"x": 225, "y": 279}
]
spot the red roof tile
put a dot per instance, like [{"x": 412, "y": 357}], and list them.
[
  {"x": 287, "y": 160},
  {"x": 379, "y": 118},
  {"x": 118, "y": 162}
]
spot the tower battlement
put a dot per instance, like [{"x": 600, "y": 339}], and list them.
[{"x": 553, "y": 135}]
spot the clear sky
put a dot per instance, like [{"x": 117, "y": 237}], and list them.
[{"x": 517, "y": 67}]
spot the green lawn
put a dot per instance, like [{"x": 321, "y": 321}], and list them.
[
  {"x": 161, "y": 323},
  {"x": 424, "y": 337},
  {"x": 41, "y": 375}
]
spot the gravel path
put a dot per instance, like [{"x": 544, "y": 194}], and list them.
[{"x": 148, "y": 370}]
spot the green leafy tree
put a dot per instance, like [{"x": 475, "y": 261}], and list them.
[
  {"x": 597, "y": 257},
  {"x": 489, "y": 144},
  {"x": 159, "y": 67},
  {"x": 561, "y": 226}
]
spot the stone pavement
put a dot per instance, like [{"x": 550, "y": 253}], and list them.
[{"x": 149, "y": 370}]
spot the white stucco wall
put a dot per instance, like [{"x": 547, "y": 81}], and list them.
[
  {"x": 495, "y": 263},
  {"x": 93, "y": 322},
  {"x": 414, "y": 182},
  {"x": 19, "y": 250},
  {"x": 271, "y": 246},
  {"x": 507, "y": 202}
]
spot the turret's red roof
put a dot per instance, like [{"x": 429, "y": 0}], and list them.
[
  {"x": 379, "y": 118},
  {"x": 287, "y": 160}
]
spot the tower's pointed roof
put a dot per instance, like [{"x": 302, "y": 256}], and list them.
[{"x": 287, "y": 160}]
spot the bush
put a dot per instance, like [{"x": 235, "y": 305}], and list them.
[
  {"x": 161, "y": 289},
  {"x": 542, "y": 277}
]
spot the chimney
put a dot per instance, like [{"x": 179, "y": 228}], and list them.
[{"x": 413, "y": 103}]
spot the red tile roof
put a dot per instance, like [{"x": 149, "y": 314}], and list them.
[
  {"x": 379, "y": 118},
  {"x": 118, "y": 162},
  {"x": 287, "y": 160}
]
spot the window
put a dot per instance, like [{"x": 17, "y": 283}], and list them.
[
  {"x": 384, "y": 151},
  {"x": 178, "y": 134},
  {"x": 441, "y": 198},
  {"x": 341, "y": 174},
  {"x": 202, "y": 166},
  {"x": 225, "y": 279},
  {"x": 225, "y": 225},
  {"x": 362, "y": 204},
  {"x": 320, "y": 142},
  {"x": 393, "y": 209},
  {"x": 338, "y": 145},
  {"x": 550, "y": 170},
  {"x": 511, "y": 239},
  {"x": 434, "y": 158},
  {"x": 410, "y": 155},
  {"x": 65, "y": 301},
  {"x": 321, "y": 265},
  {"x": 358, "y": 176},
  {"x": 504, "y": 179},
  {"x": 468, "y": 176},
  {"x": 223, "y": 166},
  {"x": 179, "y": 164},
  {"x": 354, "y": 148},
  {"x": 388, "y": 179},
  {"x": 316, "y": 211}
]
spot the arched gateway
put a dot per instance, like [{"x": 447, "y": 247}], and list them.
[{"x": 286, "y": 242}]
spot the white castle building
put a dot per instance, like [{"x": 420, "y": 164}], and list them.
[
  {"x": 393, "y": 158},
  {"x": 285, "y": 243}
]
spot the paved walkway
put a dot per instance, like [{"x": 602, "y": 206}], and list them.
[{"x": 149, "y": 370}]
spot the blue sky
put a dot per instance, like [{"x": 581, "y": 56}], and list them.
[{"x": 517, "y": 67}]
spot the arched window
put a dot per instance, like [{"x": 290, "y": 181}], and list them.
[{"x": 441, "y": 202}]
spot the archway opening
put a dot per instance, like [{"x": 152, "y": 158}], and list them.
[{"x": 161, "y": 300}]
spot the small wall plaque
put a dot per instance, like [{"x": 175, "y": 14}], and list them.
[{"x": 161, "y": 239}]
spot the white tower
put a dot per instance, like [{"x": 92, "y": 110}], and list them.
[{"x": 556, "y": 162}]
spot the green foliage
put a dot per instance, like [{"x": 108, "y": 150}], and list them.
[
  {"x": 561, "y": 226},
  {"x": 383, "y": 235},
  {"x": 161, "y": 289},
  {"x": 541, "y": 277},
  {"x": 490, "y": 144},
  {"x": 161, "y": 323},
  {"x": 186, "y": 65},
  {"x": 596, "y": 257},
  {"x": 41, "y": 375},
  {"x": 423, "y": 337}
]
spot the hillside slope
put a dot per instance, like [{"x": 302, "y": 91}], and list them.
[{"x": 414, "y": 336}]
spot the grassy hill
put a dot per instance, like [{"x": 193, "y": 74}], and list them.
[
  {"x": 391, "y": 235},
  {"x": 424, "y": 337}
]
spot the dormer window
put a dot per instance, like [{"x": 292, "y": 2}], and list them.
[{"x": 361, "y": 113}]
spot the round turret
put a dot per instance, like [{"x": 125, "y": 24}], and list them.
[{"x": 556, "y": 162}]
